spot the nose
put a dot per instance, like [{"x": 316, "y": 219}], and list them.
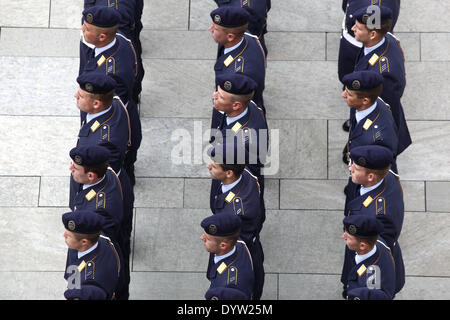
[{"x": 344, "y": 94}]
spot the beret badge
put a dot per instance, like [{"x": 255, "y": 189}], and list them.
[
  {"x": 356, "y": 85},
  {"x": 217, "y": 19},
  {"x": 89, "y": 88},
  {"x": 71, "y": 225},
  {"x": 212, "y": 229},
  {"x": 89, "y": 18},
  {"x": 361, "y": 161},
  {"x": 227, "y": 85},
  {"x": 352, "y": 229},
  {"x": 77, "y": 159}
]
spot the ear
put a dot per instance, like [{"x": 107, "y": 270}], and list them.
[
  {"x": 102, "y": 37},
  {"x": 237, "y": 105},
  {"x": 231, "y": 37},
  {"x": 97, "y": 104},
  {"x": 366, "y": 101},
  {"x": 229, "y": 173},
  {"x": 372, "y": 34},
  {"x": 92, "y": 176},
  {"x": 371, "y": 177}
]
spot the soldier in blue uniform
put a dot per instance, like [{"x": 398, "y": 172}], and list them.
[
  {"x": 230, "y": 263},
  {"x": 258, "y": 16},
  {"x": 107, "y": 125},
  {"x": 243, "y": 122},
  {"x": 372, "y": 276},
  {"x": 224, "y": 293},
  {"x": 237, "y": 51},
  {"x": 92, "y": 259},
  {"x": 382, "y": 53},
  {"x": 113, "y": 55},
  {"x": 238, "y": 193},
  {"x": 349, "y": 47},
  {"x": 130, "y": 27},
  {"x": 376, "y": 192},
  {"x": 96, "y": 188},
  {"x": 370, "y": 118}
]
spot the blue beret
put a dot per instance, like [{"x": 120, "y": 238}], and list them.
[
  {"x": 362, "y": 15},
  {"x": 372, "y": 156},
  {"x": 230, "y": 17},
  {"x": 90, "y": 156},
  {"x": 93, "y": 82},
  {"x": 362, "y": 226},
  {"x": 236, "y": 83},
  {"x": 221, "y": 224},
  {"x": 362, "y": 80},
  {"x": 224, "y": 293},
  {"x": 86, "y": 292},
  {"x": 82, "y": 221},
  {"x": 101, "y": 16}
]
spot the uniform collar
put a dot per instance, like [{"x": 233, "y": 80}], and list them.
[
  {"x": 361, "y": 258},
  {"x": 364, "y": 190},
  {"x": 219, "y": 258},
  {"x": 226, "y": 50},
  {"x": 364, "y": 113},
  {"x": 103, "y": 49},
  {"x": 233, "y": 119},
  {"x": 91, "y": 116},
  {"x": 85, "y": 186},
  {"x": 370, "y": 49},
  {"x": 228, "y": 187},
  {"x": 83, "y": 253}
]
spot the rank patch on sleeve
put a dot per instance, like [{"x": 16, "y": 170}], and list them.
[
  {"x": 81, "y": 266},
  {"x": 228, "y": 61},
  {"x": 368, "y": 201},
  {"x": 221, "y": 268},
  {"x": 95, "y": 126},
  {"x": 236, "y": 127},
  {"x": 101, "y": 60},
  {"x": 361, "y": 270},
  {"x": 367, "y": 124},
  {"x": 373, "y": 59}
]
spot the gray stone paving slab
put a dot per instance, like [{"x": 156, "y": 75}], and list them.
[
  {"x": 185, "y": 45},
  {"x": 158, "y": 193},
  {"x": 166, "y": 15},
  {"x": 425, "y": 288},
  {"x": 422, "y": 251},
  {"x": 66, "y": 14},
  {"x": 290, "y": 95},
  {"x": 434, "y": 46},
  {"x": 419, "y": 16},
  {"x": 31, "y": 157},
  {"x": 156, "y": 248},
  {"x": 415, "y": 162},
  {"x": 28, "y": 42},
  {"x": 199, "y": 18},
  {"x": 437, "y": 196},
  {"x": 302, "y": 148},
  {"x": 312, "y": 194},
  {"x": 308, "y": 15},
  {"x": 421, "y": 99},
  {"x": 303, "y": 46},
  {"x": 160, "y": 285},
  {"x": 19, "y": 191},
  {"x": 305, "y": 236},
  {"x": 31, "y": 285},
  {"x": 173, "y": 147},
  {"x": 32, "y": 239},
  {"x": 310, "y": 287},
  {"x": 24, "y": 13},
  {"x": 54, "y": 191},
  {"x": 414, "y": 195},
  {"x": 40, "y": 93},
  {"x": 178, "y": 88}
]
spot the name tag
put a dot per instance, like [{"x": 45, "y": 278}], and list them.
[
  {"x": 230, "y": 197},
  {"x": 221, "y": 268},
  {"x": 228, "y": 61},
  {"x": 367, "y": 201},
  {"x": 91, "y": 194},
  {"x": 373, "y": 59},
  {"x": 101, "y": 60},
  {"x": 81, "y": 266},
  {"x": 95, "y": 126},
  {"x": 236, "y": 127},
  {"x": 361, "y": 270},
  {"x": 367, "y": 124}
]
